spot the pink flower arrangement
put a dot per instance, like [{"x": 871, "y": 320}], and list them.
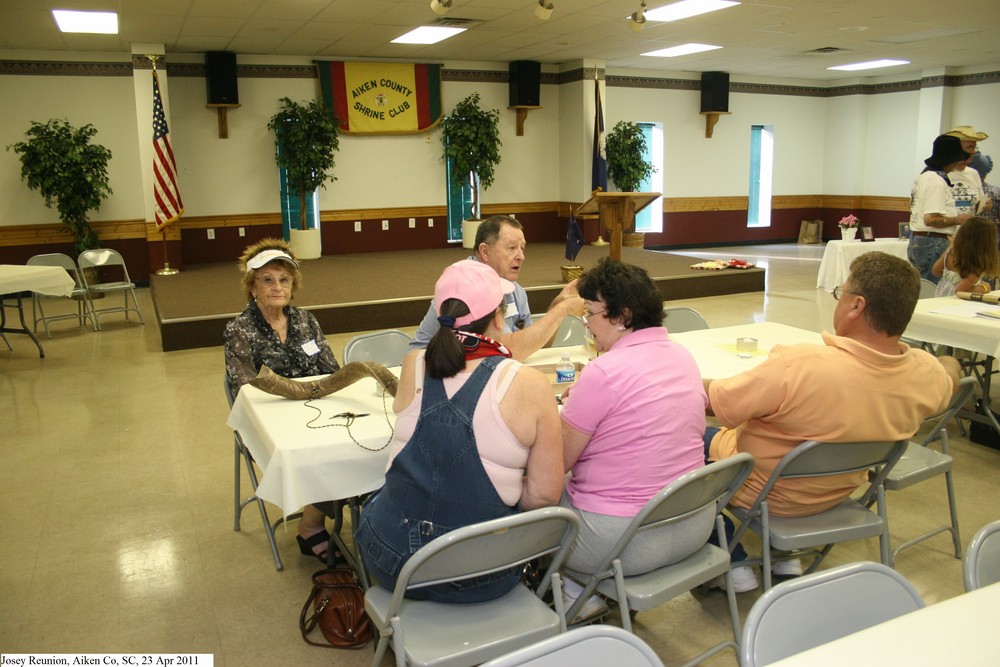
[{"x": 849, "y": 222}]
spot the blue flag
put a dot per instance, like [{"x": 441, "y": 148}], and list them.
[
  {"x": 574, "y": 239},
  {"x": 599, "y": 173}
]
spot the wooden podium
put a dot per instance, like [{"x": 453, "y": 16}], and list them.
[{"x": 616, "y": 211}]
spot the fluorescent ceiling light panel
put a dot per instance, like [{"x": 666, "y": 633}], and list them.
[
  {"x": 93, "y": 22},
  {"x": 682, "y": 50},
  {"x": 427, "y": 35},
  {"x": 872, "y": 64},
  {"x": 686, "y": 8}
]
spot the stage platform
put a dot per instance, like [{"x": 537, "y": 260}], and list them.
[{"x": 360, "y": 292}]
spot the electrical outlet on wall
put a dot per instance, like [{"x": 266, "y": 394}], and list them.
[
  {"x": 211, "y": 234},
  {"x": 243, "y": 231},
  {"x": 413, "y": 223},
  {"x": 357, "y": 225},
  {"x": 385, "y": 225},
  {"x": 430, "y": 222}
]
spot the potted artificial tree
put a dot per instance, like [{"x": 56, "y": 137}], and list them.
[
  {"x": 471, "y": 138},
  {"x": 59, "y": 161},
  {"x": 306, "y": 139},
  {"x": 624, "y": 147}
]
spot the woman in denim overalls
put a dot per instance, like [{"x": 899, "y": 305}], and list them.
[{"x": 477, "y": 438}]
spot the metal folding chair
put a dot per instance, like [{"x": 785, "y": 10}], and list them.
[
  {"x": 982, "y": 559},
  {"x": 679, "y": 319},
  {"x": 79, "y": 294},
  {"x": 814, "y": 609},
  {"x": 383, "y": 347},
  {"x": 592, "y": 645},
  {"x": 108, "y": 260},
  {"x": 426, "y": 633},
  {"x": 851, "y": 519}
]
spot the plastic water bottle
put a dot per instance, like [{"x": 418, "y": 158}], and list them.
[{"x": 565, "y": 370}]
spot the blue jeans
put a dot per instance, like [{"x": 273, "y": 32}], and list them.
[
  {"x": 737, "y": 553},
  {"x": 923, "y": 251}
]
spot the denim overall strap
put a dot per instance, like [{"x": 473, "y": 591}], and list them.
[{"x": 437, "y": 483}]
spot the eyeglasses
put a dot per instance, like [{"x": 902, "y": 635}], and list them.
[
  {"x": 587, "y": 315},
  {"x": 839, "y": 290},
  {"x": 269, "y": 281}
]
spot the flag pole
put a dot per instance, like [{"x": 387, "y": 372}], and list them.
[
  {"x": 600, "y": 242},
  {"x": 167, "y": 270}
]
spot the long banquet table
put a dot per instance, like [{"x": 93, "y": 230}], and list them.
[
  {"x": 950, "y": 321},
  {"x": 714, "y": 350},
  {"x": 17, "y": 278},
  {"x": 838, "y": 255}
]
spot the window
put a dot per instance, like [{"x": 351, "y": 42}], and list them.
[
  {"x": 459, "y": 203},
  {"x": 761, "y": 169},
  {"x": 650, "y": 219}
]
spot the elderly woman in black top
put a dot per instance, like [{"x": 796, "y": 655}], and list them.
[{"x": 287, "y": 339}]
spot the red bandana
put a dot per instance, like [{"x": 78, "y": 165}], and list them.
[{"x": 480, "y": 347}]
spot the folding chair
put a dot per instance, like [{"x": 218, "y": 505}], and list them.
[
  {"x": 79, "y": 293},
  {"x": 679, "y": 319},
  {"x": 920, "y": 462},
  {"x": 814, "y": 609},
  {"x": 982, "y": 560},
  {"x": 241, "y": 452},
  {"x": 383, "y": 347},
  {"x": 850, "y": 520},
  {"x": 105, "y": 258},
  {"x": 710, "y": 486},
  {"x": 425, "y": 633},
  {"x": 592, "y": 645},
  {"x": 570, "y": 332}
]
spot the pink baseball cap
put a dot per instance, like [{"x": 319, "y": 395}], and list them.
[{"x": 476, "y": 285}]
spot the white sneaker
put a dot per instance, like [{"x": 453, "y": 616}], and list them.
[
  {"x": 592, "y": 609},
  {"x": 787, "y": 568},
  {"x": 744, "y": 579}
]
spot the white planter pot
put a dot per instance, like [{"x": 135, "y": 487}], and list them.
[
  {"x": 469, "y": 229},
  {"x": 848, "y": 233},
  {"x": 306, "y": 243}
]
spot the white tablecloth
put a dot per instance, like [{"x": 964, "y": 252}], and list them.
[
  {"x": 304, "y": 465},
  {"x": 957, "y": 631},
  {"x": 838, "y": 255},
  {"x": 51, "y": 280},
  {"x": 714, "y": 350},
  {"x": 948, "y": 320}
]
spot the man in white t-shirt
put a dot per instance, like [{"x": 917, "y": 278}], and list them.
[{"x": 934, "y": 218}]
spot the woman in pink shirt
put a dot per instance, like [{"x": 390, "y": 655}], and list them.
[{"x": 633, "y": 424}]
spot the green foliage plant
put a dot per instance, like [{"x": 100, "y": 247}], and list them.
[
  {"x": 471, "y": 138},
  {"x": 306, "y": 140},
  {"x": 624, "y": 148},
  {"x": 60, "y": 162}
]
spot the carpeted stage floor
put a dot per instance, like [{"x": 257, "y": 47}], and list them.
[{"x": 360, "y": 292}]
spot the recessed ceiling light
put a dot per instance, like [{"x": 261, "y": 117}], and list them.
[
  {"x": 427, "y": 35},
  {"x": 686, "y": 8},
  {"x": 93, "y": 22},
  {"x": 682, "y": 50},
  {"x": 871, "y": 64}
]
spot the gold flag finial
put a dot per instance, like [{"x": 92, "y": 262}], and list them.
[{"x": 152, "y": 59}]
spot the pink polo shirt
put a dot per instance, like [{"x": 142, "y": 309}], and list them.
[{"x": 643, "y": 404}]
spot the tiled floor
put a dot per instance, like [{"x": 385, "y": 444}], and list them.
[{"x": 116, "y": 468}]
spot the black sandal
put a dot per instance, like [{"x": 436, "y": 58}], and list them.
[{"x": 306, "y": 544}]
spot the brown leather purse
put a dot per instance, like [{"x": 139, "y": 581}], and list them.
[{"x": 337, "y": 605}]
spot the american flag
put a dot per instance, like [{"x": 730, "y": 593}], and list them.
[{"x": 169, "y": 206}]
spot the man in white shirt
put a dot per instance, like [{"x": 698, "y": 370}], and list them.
[
  {"x": 934, "y": 217},
  {"x": 966, "y": 183}
]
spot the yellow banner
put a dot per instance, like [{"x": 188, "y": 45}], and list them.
[{"x": 382, "y": 98}]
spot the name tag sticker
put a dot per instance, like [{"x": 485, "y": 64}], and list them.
[
  {"x": 511, "y": 310},
  {"x": 310, "y": 348}
]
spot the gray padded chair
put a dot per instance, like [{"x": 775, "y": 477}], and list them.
[
  {"x": 432, "y": 633},
  {"x": 802, "y": 613},
  {"x": 710, "y": 486},
  {"x": 927, "y": 289},
  {"x": 108, "y": 260},
  {"x": 850, "y": 520},
  {"x": 242, "y": 453},
  {"x": 680, "y": 319},
  {"x": 79, "y": 294},
  {"x": 592, "y": 645},
  {"x": 383, "y": 347},
  {"x": 982, "y": 560},
  {"x": 920, "y": 462},
  {"x": 571, "y": 331}
]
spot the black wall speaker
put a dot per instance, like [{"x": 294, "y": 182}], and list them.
[
  {"x": 525, "y": 83},
  {"x": 715, "y": 91},
  {"x": 220, "y": 77}
]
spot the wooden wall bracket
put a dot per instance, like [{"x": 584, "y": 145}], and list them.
[
  {"x": 522, "y": 114},
  {"x": 223, "y": 119}
]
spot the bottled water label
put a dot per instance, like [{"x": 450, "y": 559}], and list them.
[{"x": 565, "y": 374}]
